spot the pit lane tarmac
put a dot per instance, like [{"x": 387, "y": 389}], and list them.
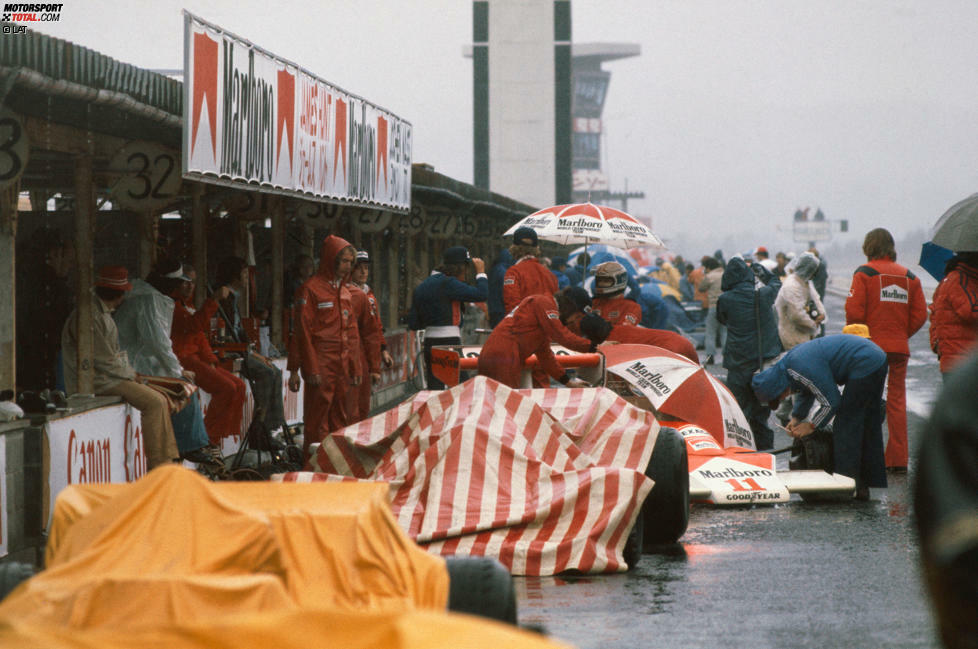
[{"x": 793, "y": 575}]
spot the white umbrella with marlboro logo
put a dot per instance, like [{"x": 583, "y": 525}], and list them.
[{"x": 587, "y": 223}]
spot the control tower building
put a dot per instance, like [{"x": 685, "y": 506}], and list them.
[{"x": 537, "y": 102}]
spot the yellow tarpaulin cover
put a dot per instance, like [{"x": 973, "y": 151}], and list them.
[{"x": 176, "y": 560}]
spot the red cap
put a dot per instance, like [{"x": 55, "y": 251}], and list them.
[
  {"x": 116, "y": 277},
  {"x": 761, "y": 249}
]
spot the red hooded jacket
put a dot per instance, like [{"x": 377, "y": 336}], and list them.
[
  {"x": 327, "y": 342},
  {"x": 954, "y": 316}
]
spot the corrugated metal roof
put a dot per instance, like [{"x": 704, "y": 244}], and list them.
[{"x": 62, "y": 60}]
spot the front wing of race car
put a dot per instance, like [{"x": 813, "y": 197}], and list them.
[{"x": 742, "y": 476}]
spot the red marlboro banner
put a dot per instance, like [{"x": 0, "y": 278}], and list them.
[{"x": 259, "y": 121}]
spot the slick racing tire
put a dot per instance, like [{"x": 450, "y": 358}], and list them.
[
  {"x": 666, "y": 509},
  {"x": 481, "y": 586},
  {"x": 12, "y": 573},
  {"x": 635, "y": 542}
]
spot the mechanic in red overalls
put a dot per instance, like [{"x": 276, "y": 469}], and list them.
[
  {"x": 526, "y": 277},
  {"x": 887, "y": 298},
  {"x": 361, "y": 271},
  {"x": 366, "y": 317},
  {"x": 327, "y": 343},
  {"x": 529, "y": 329},
  {"x": 610, "y": 282}
]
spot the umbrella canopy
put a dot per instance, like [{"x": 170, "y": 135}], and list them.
[
  {"x": 587, "y": 223},
  {"x": 642, "y": 256},
  {"x": 678, "y": 387},
  {"x": 957, "y": 229},
  {"x": 602, "y": 252},
  {"x": 933, "y": 258}
]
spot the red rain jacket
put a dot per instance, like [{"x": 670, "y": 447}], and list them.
[
  {"x": 529, "y": 329},
  {"x": 954, "y": 316},
  {"x": 670, "y": 340},
  {"x": 326, "y": 344},
  {"x": 887, "y": 298},
  {"x": 525, "y": 278},
  {"x": 617, "y": 310},
  {"x": 189, "y": 331}
]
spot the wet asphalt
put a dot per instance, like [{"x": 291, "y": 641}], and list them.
[{"x": 819, "y": 575}]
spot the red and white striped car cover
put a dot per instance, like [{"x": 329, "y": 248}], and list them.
[{"x": 544, "y": 480}]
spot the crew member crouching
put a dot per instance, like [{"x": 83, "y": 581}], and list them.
[{"x": 531, "y": 327}]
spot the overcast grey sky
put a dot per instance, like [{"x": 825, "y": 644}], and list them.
[{"x": 736, "y": 113}]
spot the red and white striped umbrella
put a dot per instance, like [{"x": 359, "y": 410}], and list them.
[
  {"x": 587, "y": 223},
  {"x": 681, "y": 388}
]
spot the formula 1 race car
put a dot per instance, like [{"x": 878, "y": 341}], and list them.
[{"x": 725, "y": 468}]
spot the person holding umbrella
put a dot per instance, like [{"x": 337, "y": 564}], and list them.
[
  {"x": 888, "y": 298},
  {"x": 527, "y": 276},
  {"x": 532, "y": 326},
  {"x": 954, "y": 311}
]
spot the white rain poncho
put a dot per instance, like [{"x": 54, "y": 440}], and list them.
[{"x": 144, "y": 320}]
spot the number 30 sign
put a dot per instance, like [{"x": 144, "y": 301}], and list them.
[{"x": 149, "y": 176}]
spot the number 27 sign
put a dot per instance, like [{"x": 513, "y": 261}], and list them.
[{"x": 148, "y": 176}]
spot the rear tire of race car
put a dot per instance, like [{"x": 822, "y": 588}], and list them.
[
  {"x": 12, "y": 573},
  {"x": 666, "y": 509},
  {"x": 481, "y": 586},
  {"x": 635, "y": 542}
]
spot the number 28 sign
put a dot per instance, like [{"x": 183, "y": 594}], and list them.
[{"x": 148, "y": 176}]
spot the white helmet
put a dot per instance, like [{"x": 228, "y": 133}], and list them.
[{"x": 610, "y": 277}]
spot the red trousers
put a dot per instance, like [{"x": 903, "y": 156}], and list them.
[
  {"x": 896, "y": 410},
  {"x": 364, "y": 390},
  {"x": 227, "y": 391},
  {"x": 326, "y": 407},
  {"x": 500, "y": 360}
]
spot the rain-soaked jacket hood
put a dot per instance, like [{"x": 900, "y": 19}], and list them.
[
  {"x": 805, "y": 265},
  {"x": 771, "y": 383},
  {"x": 736, "y": 272},
  {"x": 330, "y": 250}
]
